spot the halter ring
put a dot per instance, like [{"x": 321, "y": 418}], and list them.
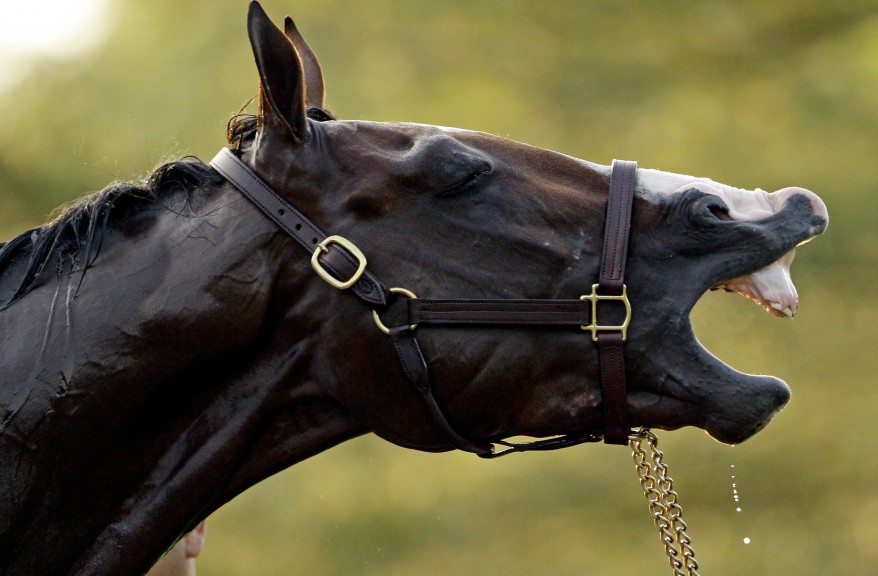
[{"x": 377, "y": 319}]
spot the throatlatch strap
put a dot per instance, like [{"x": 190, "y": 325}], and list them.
[
  {"x": 611, "y": 346},
  {"x": 335, "y": 258},
  {"x": 414, "y": 366}
]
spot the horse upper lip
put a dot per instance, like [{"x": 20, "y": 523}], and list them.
[
  {"x": 779, "y": 198},
  {"x": 771, "y": 286}
]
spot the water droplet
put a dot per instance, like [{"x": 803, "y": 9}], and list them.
[
  {"x": 735, "y": 495},
  {"x": 746, "y": 540}
]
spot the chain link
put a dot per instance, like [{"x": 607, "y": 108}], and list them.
[{"x": 658, "y": 488}]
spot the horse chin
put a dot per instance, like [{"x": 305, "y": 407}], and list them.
[{"x": 729, "y": 430}]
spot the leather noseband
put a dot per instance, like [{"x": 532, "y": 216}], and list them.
[{"x": 341, "y": 264}]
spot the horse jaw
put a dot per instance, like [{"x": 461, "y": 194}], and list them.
[{"x": 729, "y": 405}]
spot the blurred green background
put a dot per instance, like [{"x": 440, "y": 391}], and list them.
[{"x": 766, "y": 93}]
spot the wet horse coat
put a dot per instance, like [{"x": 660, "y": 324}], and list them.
[{"x": 165, "y": 347}]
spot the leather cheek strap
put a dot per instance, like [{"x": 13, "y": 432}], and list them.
[
  {"x": 414, "y": 366},
  {"x": 611, "y": 346}
]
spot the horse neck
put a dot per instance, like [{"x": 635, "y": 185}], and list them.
[
  {"x": 259, "y": 422},
  {"x": 140, "y": 397}
]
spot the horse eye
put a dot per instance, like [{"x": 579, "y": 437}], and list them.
[{"x": 471, "y": 181}]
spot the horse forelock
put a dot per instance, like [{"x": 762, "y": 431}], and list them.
[
  {"x": 241, "y": 127},
  {"x": 78, "y": 231}
]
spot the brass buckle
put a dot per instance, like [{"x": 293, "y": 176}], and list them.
[
  {"x": 329, "y": 278},
  {"x": 594, "y": 298}
]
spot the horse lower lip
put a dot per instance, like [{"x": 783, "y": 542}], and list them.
[
  {"x": 698, "y": 389},
  {"x": 766, "y": 401}
]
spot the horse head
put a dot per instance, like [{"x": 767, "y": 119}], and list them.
[{"x": 455, "y": 213}]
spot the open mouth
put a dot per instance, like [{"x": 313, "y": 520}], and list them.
[{"x": 732, "y": 406}]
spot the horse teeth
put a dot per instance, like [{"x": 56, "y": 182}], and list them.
[{"x": 785, "y": 310}]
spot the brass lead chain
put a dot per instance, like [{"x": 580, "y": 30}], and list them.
[{"x": 658, "y": 488}]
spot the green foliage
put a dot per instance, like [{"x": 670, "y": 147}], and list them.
[{"x": 761, "y": 93}]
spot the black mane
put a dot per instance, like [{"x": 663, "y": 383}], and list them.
[{"x": 79, "y": 229}]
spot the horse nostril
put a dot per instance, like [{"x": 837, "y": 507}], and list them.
[{"x": 720, "y": 211}]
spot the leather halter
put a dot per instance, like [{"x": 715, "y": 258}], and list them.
[{"x": 341, "y": 264}]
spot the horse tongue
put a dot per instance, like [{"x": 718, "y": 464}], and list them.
[{"x": 770, "y": 287}]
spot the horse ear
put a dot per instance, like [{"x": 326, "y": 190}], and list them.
[
  {"x": 282, "y": 80},
  {"x": 314, "y": 87}
]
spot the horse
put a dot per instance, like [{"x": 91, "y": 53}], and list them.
[{"x": 167, "y": 345}]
